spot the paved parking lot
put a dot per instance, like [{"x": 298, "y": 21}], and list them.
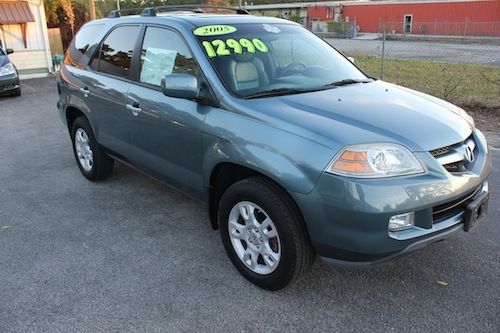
[{"x": 129, "y": 254}]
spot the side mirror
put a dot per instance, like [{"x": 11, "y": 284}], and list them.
[
  {"x": 351, "y": 59},
  {"x": 181, "y": 86},
  {"x": 9, "y": 51}
]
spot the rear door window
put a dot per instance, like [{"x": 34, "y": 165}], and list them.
[{"x": 114, "y": 56}]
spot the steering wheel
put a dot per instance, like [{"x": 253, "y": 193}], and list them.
[{"x": 294, "y": 67}]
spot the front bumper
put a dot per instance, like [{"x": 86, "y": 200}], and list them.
[
  {"x": 9, "y": 84},
  {"x": 347, "y": 218}
]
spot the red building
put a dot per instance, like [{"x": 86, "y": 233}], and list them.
[{"x": 438, "y": 17}]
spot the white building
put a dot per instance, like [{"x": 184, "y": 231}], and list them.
[{"x": 23, "y": 28}]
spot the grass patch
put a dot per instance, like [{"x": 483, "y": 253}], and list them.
[{"x": 469, "y": 85}]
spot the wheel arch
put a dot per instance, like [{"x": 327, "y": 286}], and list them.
[
  {"x": 225, "y": 174},
  {"x": 72, "y": 113}
]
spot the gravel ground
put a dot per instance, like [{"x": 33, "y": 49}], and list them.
[{"x": 129, "y": 254}]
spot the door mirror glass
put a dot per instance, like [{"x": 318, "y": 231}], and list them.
[
  {"x": 181, "y": 86},
  {"x": 9, "y": 51}
]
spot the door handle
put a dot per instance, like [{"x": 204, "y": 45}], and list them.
[
  {"x": 135, "y": 109},
  {"x": 85, "y": 91}
]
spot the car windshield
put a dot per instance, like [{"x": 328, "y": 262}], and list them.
[{"x": 259, "y": 60}]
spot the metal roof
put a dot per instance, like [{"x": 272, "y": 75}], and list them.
[
  {"x": 290, "y": 5},
  {"x": 14, "y": 12},
  {"x": 353, "y": 2}
]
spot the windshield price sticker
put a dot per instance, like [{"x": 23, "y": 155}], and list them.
[
  {"x": 220, "y": 48},
  {"x": 214, "y": 30}
]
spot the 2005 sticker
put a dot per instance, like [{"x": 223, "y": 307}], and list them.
[
  {"x": 214, "y": 30},
  {"x": 219, "y": 47}
]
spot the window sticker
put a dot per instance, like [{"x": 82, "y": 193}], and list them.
[
  {"x": 214, "y": 30},
  {"x": 157, "y": 64},
  {"x": 220, "y": 48},
  {"x": 270, "y": 28}
]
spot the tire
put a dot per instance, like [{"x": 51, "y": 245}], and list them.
[
  {"x": 277, "y": 260},
  {"x": 17, "y": 93},
  {"x": 91, "y": 159}
]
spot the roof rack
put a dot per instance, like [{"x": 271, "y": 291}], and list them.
[{"x": 151, "y": 11}]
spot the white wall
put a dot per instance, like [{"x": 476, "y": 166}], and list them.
[{"x": 37, "y": 53}]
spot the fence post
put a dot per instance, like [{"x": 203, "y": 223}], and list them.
[
  {"x": 383, "y": 53},
  {"x": 435, "y": 23},
  {"x": 465, "y": 28}
]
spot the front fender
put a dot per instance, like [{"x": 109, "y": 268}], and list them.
[{"x": 292, "y": 161}]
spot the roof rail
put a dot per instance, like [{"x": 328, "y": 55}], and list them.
[
  {"x": 151, "y": 11},
  {"x": 118, "y": 13}
]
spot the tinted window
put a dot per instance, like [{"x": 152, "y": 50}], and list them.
[
  {"x": 82, "y": 41},
  {"x": 115, "y": 53},
  {"x": 164, "y": 52}
]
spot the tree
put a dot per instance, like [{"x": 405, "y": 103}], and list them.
[
  {"x": 60, "y": 11},
  {"x": 221, "y": 3}
]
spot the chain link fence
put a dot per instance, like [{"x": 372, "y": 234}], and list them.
[
  {"x": 464, "y": 28},
  {"x": 460, "y": 69}
]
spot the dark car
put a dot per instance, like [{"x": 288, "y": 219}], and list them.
[
  {"x": 9, "y": 78},
  {"x": 294, "y": 149}
]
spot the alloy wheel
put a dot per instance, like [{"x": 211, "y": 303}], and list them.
[{"x": 254, "y": 237}]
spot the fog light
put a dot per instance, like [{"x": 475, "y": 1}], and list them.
[
  {"x": 485, "y": 187},
  {"x": 402, "y": 221}
]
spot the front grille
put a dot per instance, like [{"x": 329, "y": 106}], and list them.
[
  {"x": 440, "y": 151},
  {"x": 453, "y": 158},
  {"x": 7, "y": 87},
  {"x": 452, "y": 208},
  {"x": 455, "y": 167}
]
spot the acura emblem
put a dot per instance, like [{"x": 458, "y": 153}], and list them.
[{"x": 469, "y": 154}]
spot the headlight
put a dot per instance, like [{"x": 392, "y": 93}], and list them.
[
  {"x": 375, "y": 161},
  {"x": 461, "y": 112},
  {"x": 7, "y": 69}
]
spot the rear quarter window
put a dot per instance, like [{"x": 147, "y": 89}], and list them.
[{"x": 85, "y": 37}]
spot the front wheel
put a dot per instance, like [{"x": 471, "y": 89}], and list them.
[
  {"x": 93, "y": 162},
  {"x": 263, "y": 234}
]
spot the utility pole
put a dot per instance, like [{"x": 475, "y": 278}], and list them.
[
  {"x": 383, "y": 55},
  {"x": 118, "y": 4},
  {"x": 92, "y": 9}
]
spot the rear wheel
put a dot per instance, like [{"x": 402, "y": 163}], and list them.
[
  {"x": 263, "y": 234},
  {"x": 93, "y": 162}
]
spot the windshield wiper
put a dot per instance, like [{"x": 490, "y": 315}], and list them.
[
  {"x": 291, "y": 91},
  {"x": 275, "y": 92},
  {"x": 346, "y": 82}
]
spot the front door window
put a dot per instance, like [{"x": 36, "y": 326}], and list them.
[{"x": 163, "y": 53}]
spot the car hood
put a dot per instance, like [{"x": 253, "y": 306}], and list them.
[{"x": 367, "y": 112}]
